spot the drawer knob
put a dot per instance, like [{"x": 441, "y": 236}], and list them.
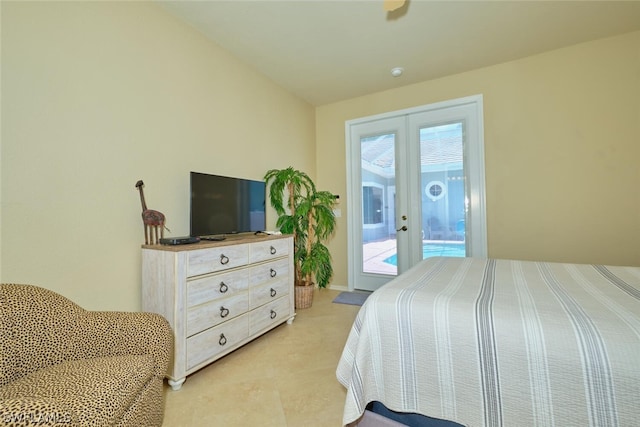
[
  {"x": 224, "y": 260},
  {"x": 273, "y": 292},
  {"x": 273, "y": 250},
  {"x": 273, "y": 314},
  {"x": 273, "y": 273},
  {"x": 222, "y": 340},
  {"x": 223, "y": 287},
  {"x": 224, "y": 312}
]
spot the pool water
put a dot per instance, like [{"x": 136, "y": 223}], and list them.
[{"x": 431, "y": 250}]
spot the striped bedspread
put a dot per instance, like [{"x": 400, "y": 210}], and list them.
[{"x": 500, "y": 343}]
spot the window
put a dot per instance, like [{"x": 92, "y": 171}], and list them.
[
  {"x": 372, "y": 205},
  {"x": 435, "y": 190}
]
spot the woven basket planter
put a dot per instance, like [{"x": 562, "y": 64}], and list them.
[{"x": 303, "y": 296}]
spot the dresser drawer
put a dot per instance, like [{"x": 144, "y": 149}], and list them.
[
  {"x": 271, "y": 291},
  {"x": 261, "y": 251},
  {"x": 269, "y": 272},
  {"x": 203, "y": 261},
  {"x": 221, "y": 285},
  {"x": 208, "y": 344},
  {"x": 263, "y": 317},
  {"x": 215, "y": 312}
]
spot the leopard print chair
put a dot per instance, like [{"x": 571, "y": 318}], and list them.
[{"x": 61, "y": 365}]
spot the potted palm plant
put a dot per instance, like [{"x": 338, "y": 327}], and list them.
[{"x": 307, "y": 214}]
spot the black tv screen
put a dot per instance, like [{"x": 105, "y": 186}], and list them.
[{"x": 225, "y": 205}]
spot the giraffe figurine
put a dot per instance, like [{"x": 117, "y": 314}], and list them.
[{"x": 153, "y": 220}]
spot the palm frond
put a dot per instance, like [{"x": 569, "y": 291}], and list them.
[{"x": 311, "y": 220}]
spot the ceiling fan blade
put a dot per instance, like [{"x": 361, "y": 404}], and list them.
[{"x": 391, "y": 5}]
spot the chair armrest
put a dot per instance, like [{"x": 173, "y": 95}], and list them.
[{"x": 112, "y": 333}]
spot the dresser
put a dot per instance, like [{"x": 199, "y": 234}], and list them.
[{"x": 218, "y": 296}]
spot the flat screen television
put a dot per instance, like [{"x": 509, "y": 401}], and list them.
[{"x": 223, "y": 205}]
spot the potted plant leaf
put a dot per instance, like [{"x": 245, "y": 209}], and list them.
[{"x": 308, "y": 214}]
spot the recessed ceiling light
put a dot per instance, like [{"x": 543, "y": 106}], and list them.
[{"x": 397, "y": 71}]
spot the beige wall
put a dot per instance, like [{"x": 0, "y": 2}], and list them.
[
  {"x": 96, "y": 95},
  {"x": 562, "y": 150}
]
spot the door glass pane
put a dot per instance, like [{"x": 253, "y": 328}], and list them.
[
  {"x": 372, "y": 205},
  {"x": 378, "y": 204},
  {"x": 443, "y": 190}
]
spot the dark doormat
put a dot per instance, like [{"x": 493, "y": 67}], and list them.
[{"x": 351, "y": 298}]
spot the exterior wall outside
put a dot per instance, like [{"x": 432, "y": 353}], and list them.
[{"x": 439, "y": 217}]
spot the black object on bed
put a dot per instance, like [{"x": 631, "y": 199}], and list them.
[{"x": 409, "y": 419}]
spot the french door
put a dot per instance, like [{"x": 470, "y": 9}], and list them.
[{"x": 415, "y": 189}]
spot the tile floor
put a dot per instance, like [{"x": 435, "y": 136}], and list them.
[{"x": 285, "y": 378}]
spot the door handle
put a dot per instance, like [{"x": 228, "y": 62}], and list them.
[{"x": 403, "y": 228}]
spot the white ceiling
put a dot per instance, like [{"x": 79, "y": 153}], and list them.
[{"x": 326, "y": 51}]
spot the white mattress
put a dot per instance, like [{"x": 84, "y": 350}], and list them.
[{"x": 500, "y": 343}]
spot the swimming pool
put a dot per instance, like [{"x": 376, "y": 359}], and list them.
[{"x": 431, "y": 250}]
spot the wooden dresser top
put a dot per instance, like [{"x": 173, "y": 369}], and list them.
[{"x": 232, "y": 239}]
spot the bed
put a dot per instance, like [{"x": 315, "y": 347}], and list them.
[{"x": 486, "y": 342}]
